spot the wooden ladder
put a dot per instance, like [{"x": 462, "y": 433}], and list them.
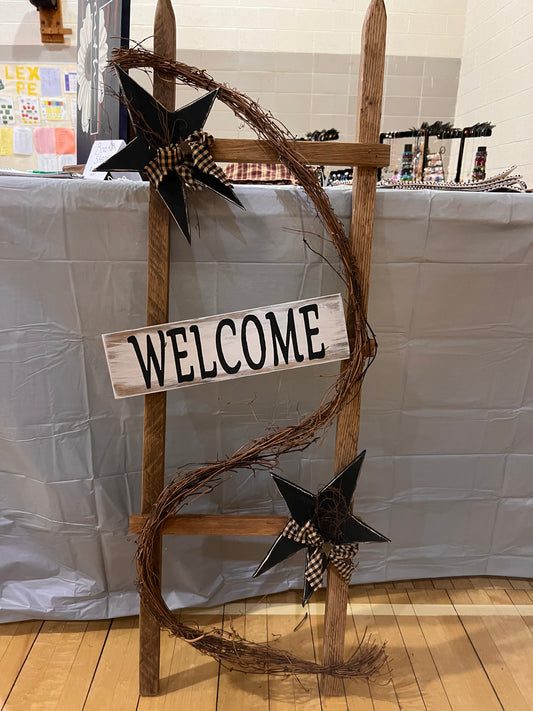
[{"x": 366, "y": 155}]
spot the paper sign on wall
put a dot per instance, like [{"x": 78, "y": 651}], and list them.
[
  {"x": 67, "y": 159},
  {"x": 50, "y": 81},
  {"x": 6, "y": 141},
  {"x": 7, "y": 111},
  {"x": 22, "y": 140},
  {"x": 71, "y": 82},
  {"x": 44, "y": 138},
  {"x": 65, "y": 141},
  {"x": 47, "y": 163},
  {"x": 29, "y": 110},
  {"x": 53, "y": 109},
  {"x": 226, "y": 346}
]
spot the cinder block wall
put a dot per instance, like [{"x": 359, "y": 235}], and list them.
[
  {"x": 299, "y": 58},
  {"x": 496, "y": 80}
]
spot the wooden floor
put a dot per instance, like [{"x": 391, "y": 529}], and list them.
[{"x": 463, "y": 644}]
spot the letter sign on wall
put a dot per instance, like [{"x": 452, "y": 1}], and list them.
[{"x": 176, "y": 355}]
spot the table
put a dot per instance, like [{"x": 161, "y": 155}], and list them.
[{"x": 447, "y": 415}]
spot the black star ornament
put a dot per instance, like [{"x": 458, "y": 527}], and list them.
[
  {"x": 156, "y": 127},
  {"x": 329, "y": 513}
]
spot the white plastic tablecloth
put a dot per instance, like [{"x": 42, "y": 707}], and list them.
[{"x": 447, "y": 415}]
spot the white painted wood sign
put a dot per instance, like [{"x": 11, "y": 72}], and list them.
[{"x": 177, "y": 355}]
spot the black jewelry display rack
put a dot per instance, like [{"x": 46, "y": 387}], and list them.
[{"x": 442, "y": 131}]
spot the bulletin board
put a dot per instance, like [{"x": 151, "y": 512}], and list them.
[{"x": 38, "y": 107}]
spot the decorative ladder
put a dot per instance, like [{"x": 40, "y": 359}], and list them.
[{"x": 366, "y": 155}]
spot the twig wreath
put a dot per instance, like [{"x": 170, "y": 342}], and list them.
[{"x": 262, "y": 453}]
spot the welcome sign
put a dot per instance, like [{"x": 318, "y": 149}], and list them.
[{"x": 233, "y": 345}]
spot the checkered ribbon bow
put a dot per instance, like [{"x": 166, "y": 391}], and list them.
[
  {"x": 340, "y": 554},
  {"x": 191, "y": 153}
]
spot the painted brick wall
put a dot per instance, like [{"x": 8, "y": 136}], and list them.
[
  {"x": 298, "y": 58},
  {"x": 496, "y": 81},
  {"x": 416, "y": 27}
]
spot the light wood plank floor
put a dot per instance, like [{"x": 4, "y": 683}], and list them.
[{"x": 462, "y": 644}]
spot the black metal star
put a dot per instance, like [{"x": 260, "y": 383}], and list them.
[
  {"x": 330, "y": 513},
  {"x": 156, "y": 127}
]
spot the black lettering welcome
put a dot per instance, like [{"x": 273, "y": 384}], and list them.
[{"x": 248, "y": 344}]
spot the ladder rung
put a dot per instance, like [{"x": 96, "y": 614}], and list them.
[
  {"x": 364, "y": 155},
  {"x": 216, "y": 524}
]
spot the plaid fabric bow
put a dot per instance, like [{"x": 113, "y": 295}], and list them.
[
  {"x": 340, "y": 554},
  {"x": 191, "y": 153}
]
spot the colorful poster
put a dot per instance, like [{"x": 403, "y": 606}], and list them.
[
  {"x": 6, "y": 141},
  {"x": 7, "y": 111},
  {"x": 50, "y": 81},
  {"x": 45, "y": 140},
  {"x": 29, "y": 110},
  {"x": 65, "y": 140},
  {"x": 53, "y": 109},
  {"x": 22, "y": 140}
]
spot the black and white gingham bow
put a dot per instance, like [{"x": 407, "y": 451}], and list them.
[
  {"x": 340, "y": 554},
  {"x": 191, "y": 153}
]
